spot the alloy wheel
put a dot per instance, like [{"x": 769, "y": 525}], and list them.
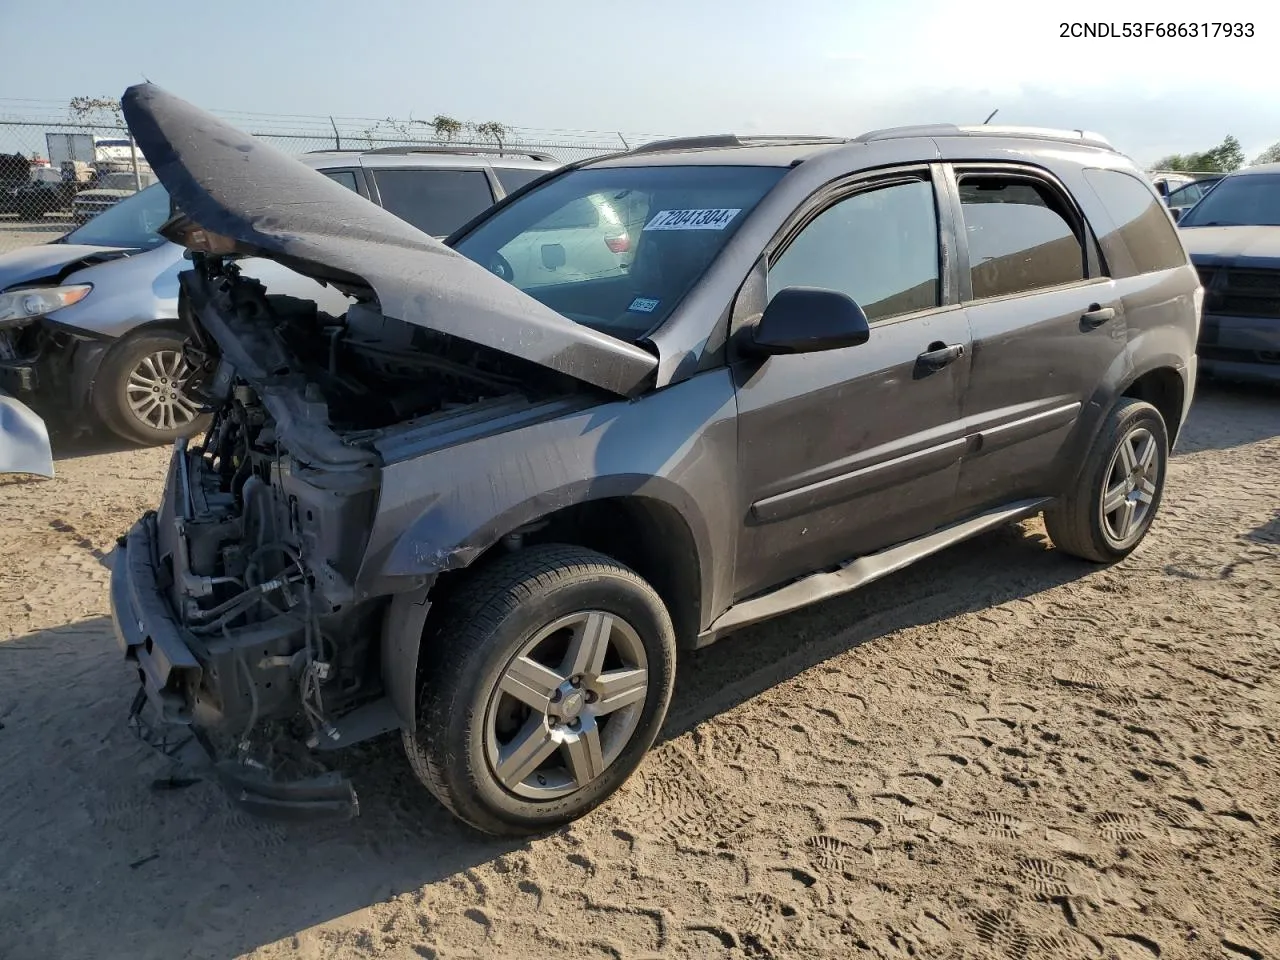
[
  {"x": 1130, "y": 489},
  {"x": 156, "y": 393},
  {"x": 566, "y": 705}
]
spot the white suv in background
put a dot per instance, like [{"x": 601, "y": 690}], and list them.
[{"x": 89, "y": 322}]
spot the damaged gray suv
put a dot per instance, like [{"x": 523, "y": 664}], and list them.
[{"x": 487, "y": 505}]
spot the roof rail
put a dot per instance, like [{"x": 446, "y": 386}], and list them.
[
  {"x": 1085, "y": 137},
  {"x": 731, "y": 140},
  {"x": 406, "y": 151}
]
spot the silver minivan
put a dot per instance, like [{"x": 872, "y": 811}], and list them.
[{"x": 89, "y": 323}]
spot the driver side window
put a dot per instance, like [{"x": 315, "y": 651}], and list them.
[{"x": 879, "y": 246}]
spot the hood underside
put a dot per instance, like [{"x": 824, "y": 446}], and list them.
[{"x": 235, "y": 186}]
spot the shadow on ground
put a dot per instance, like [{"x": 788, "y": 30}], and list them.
[
  {"x": 66, "y": 753},
  {"x": 1225, "y": 415}
]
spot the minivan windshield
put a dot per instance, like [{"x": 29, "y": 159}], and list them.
[
  {"x": 617, "y": 248},
  {"x": 132, "y": 223},
  {"x": 1250, "y": 199}
]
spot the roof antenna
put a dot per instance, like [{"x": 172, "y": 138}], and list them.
[{"x": 990, "y": 115}]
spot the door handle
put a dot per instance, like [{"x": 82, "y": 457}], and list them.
[
  {"x": 1097, "y": 315},
  {"x": 940, "y": 354}
]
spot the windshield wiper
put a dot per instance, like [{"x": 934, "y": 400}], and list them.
[{"x": 1217, "y": 223}]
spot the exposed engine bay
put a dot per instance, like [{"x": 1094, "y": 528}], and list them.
[{"x": 264, "y": 522}]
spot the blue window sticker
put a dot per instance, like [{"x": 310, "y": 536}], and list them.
[{"x": 643, "y": 305}]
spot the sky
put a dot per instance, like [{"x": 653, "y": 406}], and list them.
[{"x": 666, "y": 67}]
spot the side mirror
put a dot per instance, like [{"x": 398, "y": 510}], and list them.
[
  {"x": 1176, "y": 213},
  {"x": 809, "y": 319}
]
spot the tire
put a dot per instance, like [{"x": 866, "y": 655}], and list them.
[
  {"x": 1077, "y": 523},
  {"x": 468, "y": 726},
  {"x": 175, "y": 416}
]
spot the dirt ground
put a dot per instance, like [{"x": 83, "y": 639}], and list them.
[{"x": 998, "y": 753}]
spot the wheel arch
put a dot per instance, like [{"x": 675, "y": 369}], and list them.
[
  {"x": 1163, "y": 387},
  {"x": 664, "y": 543}
]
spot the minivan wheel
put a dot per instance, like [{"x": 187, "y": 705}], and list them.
[
  {"x": 140, "y": 391},
  {"x": 1107, "y": 515},
  {"x": 543, "y": 688}
]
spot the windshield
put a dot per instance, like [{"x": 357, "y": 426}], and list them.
[
  {"x": 616, "y": 249},
  {"x": 1245, "y": 200},
  {"x": 118, "y": 181},
  {"x": 132, "y": 223}
]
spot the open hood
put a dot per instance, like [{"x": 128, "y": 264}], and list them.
[{"x": 271, "y": 205}]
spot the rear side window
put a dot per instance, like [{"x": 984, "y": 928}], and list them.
[
  {"x": 513, "y": 178},
  {"x": 1144, "y": 235},
  {"x": 437, "y": 202},
  {"x": 1020, "y": 236}
]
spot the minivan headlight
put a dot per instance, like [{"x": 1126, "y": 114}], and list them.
[{"x": 19, "y": 306}]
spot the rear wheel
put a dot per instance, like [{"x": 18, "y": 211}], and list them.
[
  {"x": 1108, "y": 514},
  {"x": 544, "y": 688},
  {"x": 140, "y": 392}
]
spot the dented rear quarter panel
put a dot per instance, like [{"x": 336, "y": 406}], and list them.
[{"x": 441, "y": 510}]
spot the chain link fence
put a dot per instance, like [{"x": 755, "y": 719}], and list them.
[{"x": 55, "y": 174}]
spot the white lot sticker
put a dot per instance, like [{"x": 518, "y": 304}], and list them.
[
  {"x": 643, "y": 305},
  {"x": 692, "y": 219}
]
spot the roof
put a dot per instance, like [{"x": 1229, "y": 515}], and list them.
[
  {"x": 782, "y": 151},
  {"x": 1259, "y": 168},
  {"x": 430, "y": 157}
]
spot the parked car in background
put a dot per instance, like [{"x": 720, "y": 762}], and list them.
[
  {"x": 589, "y": 239},
  {"x": 107, "y": 190},
  {"x": 1165, "y": 183},
  {"x": 99, "y": 332},
  {"x": 1233, "y": 236},
  {"x": 487, "y": 512},
  {"x": 1188, "y": 195}
]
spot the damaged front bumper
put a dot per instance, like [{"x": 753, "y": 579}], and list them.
[{"x": 171, "y": 673}]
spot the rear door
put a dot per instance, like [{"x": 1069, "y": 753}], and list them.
[
  {"x": 1047, "y": 325},
  {"x": 846, "y": 451}
]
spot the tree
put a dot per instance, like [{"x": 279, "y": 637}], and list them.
[
  {"x": 96, "y": 110},
  {"x": 492, "y": 130},
  {"x": 1269, "y": 155},
  {"x": 1225, "y": 157},
  {"x": 446, "y": 128}
]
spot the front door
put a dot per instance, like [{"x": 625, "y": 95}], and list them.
[{"x": 846, "y": 451}]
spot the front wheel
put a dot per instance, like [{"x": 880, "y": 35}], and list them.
[
  {"x": 546, "y": 684},
  {"x": 140, "y": 393},
  {"x": 1119, "y": 490}
]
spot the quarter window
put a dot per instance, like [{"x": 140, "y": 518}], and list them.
[
  {"x": 879, "y": 246},
  {"x": 1020, "y": 236},
  {"x": 1143, "y": 229},
  {"x": 345, "y": 177}
]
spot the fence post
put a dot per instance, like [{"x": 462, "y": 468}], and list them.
[{"x": 133, "y": 152}]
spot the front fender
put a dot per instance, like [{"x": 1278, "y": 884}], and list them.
[{"x": 441, "y": 510}]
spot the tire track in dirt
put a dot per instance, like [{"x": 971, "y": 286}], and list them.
[{"x": 997, "y": 753}]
